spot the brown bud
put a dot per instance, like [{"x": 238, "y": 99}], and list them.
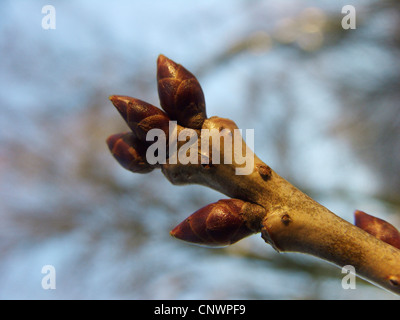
[
  {"x": 378, "y": 228},
  {"x": 217, "y": 224},
  {"x": 129, "y": 152},
  {"x": 140, "y": 116},
  {"x": 180, "y": 94}
]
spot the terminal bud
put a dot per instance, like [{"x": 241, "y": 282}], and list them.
[{"x": 180, "y": 94}]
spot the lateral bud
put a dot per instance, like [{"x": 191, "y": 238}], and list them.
[
  {"x": 378, "y": 228},
  {"x": 129, "y": 152},
  {"x": 140, "y": 115},
  {"x": 180, "y": 94},
  {"x": 218, "y": 224}
]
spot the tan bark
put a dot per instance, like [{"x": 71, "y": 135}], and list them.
[
  {"x": 287, "y": 218},
  {"x": 291, "y": 221}
]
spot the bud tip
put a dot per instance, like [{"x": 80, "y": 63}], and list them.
[
  {"x": 111, "y": 140},
  {"x": 121, "y": 103}
]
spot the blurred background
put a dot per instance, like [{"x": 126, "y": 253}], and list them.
[{"x": 323, "y": 101}]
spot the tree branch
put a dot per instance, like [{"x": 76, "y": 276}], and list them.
[{"x": 262, "y": 201}]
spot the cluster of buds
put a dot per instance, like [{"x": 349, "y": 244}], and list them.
[{"x": 182, "y": 99}]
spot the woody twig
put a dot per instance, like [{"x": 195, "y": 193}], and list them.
[{"x": 196, "y": 149}]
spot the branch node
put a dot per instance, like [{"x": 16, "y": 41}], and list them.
[
  {"x": 286, "y": 219},
  {"x": 264, "y": 171},
  {"x": 267, "y": 238}
]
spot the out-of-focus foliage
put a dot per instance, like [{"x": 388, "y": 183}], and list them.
[{"x": 323, "y": 102}]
